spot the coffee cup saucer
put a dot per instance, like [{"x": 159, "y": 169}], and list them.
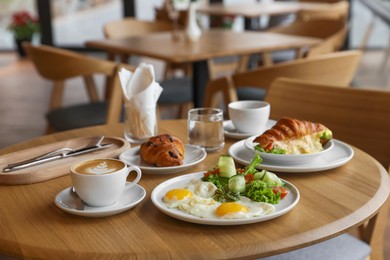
[
  {"x": 66, "y": 201},
  {"x": 231, "y": 132}
]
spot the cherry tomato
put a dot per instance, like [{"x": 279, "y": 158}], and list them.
[
  {"x": 210, "y": 172},
  {"x": 248, "y": 178},
  {"x": 282, "y": 190}
]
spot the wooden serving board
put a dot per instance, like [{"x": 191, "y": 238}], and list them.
[{"x": 56, "y": 168}]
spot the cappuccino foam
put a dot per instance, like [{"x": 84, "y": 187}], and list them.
[{"x": 99, "y": 166}]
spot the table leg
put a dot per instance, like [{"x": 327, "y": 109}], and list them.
[{"x": 200, "y": 77}]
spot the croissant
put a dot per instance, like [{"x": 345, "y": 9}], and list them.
[
  {"x": 289, "y": 131},
  {"x": 163, "y": 150}
]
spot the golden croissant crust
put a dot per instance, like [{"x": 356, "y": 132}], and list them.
[
  {"x": 163, "y": 151},
  {"x": 287, "y": 129}
]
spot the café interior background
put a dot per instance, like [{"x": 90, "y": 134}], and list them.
[{"x": 75, "y": 21}]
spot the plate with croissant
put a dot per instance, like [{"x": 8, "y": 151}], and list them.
[
  {"x": 292, "y": 141},
  {"x": 163, "y": 154}
]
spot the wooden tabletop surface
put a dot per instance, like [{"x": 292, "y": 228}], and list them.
[
  {"x": 332, "y": 202},
  {"x": 251, "y": 10},
  {"x": 212, "y": 44}
]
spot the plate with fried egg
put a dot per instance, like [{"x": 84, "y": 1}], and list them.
[{"x": 188, "y": 198}]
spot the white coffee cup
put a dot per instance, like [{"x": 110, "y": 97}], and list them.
[
  {"x": 249, "y": 116},
  {"x": 101, "y": 182}
]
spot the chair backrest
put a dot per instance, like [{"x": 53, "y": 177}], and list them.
[
  {"x": 163, "y": 13},
  {"x": 356, "y": 116},
  {"x": 337, "y": 10},
  {"x": 319, "y": 1},
  {"x": 128, "y": 27},
  {"x": 59, "y": 65},
  {"x": 333, "y": 33},
  {"x": 335, "y": 68}
]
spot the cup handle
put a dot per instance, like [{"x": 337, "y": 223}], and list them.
[{"x": 136, "y": 180}]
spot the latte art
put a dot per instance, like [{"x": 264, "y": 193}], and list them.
[
  {"x": 99, "y": 166},
  {"x": 100, "y": 169}
]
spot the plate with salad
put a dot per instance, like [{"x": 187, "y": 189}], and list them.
[{"x": 226, "y": 195}]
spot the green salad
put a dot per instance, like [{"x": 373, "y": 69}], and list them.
[{"x": 232, "y": 183}]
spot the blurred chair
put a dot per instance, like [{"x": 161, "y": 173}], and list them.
[
  {"x": 177, "y": 90},
  {"x": 330, "y": 24},
  {"x": 168, "y": 13},
  {"x": 129, "y": 27},
  {"x": 334, "y": 68},
  {"x": 332, "y": 32},
  {"x": 343, "y": 110},
  {"x": 58, "y": 65},
  {"x": 320, "y": 1},
  {"x": 337, "y": 10}
]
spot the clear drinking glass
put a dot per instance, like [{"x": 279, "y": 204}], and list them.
[{"x": 205, "y": 128}]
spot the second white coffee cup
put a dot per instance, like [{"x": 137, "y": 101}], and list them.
[
  {"x": 101, "y": 182},
  {"x": 249, "y": 116}
]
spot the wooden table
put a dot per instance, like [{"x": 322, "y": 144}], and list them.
[
  {"x": 212, "y": 44},
  {"x": 31, "y": 225}
]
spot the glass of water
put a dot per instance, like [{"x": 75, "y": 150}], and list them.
[{"x": 205, "y": 128}]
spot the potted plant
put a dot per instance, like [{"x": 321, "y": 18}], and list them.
[{"x": 23, "y": 26}]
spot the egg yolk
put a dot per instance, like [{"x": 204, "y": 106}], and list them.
[
  {"x": 230, "y": 207},
  {"x": 178, "y": 194}
]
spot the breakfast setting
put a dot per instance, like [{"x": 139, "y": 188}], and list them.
[{"x": 243, "y": 179}]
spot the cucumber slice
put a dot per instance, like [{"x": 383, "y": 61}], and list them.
[
  {"x": 272, "y": 179},
  {"x": 259, "y": 175},
  {"x": 226, "y": 166},
  {"x": 237, "y": 183}
]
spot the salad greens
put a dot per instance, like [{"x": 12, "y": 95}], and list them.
[{"x": 260, "y": 186}]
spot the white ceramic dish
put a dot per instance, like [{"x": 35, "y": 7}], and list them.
[
  {"x": 231, "y": 132},
  {"x": 341, "y": 154},
  {"x": 66, "y": 201},
  {"x": 193, "y": 155},
  {"x": 288, "y": 158},
  {"x": 158, "y": 193}
]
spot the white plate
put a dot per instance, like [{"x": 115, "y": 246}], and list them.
[
  {"x": 231, "y": 132},
  {"x": 67, "y": 201},
  {"x": 284, "y": 205},
  {"x": 193, "y": 155},
  {"x": 288, "y": 158},
  {"x": 341, "y": 154}
]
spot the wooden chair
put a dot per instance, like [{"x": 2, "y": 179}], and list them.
[
  {"x": 129, "y": 27},
  {"x": 333, "y": 33},
  {"x": 177, "y": 91},
  {"x": 337, "y": 10},
  {"x": 356, "y": 116},
  {"x": 319, "y": 1},
  {"x": 58, "y": 65},
  {"x": 336, "y": 68}
]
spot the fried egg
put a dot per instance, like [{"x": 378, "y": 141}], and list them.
[
  {"x": 175, "y": 197},
  {"x": 195, "y": 198}
]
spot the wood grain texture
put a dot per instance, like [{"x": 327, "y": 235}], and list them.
[
  {"x": 54, "y": 169},
  {"x": 33, "y": 227}
]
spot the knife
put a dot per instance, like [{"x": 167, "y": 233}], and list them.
[{"x": 55, "y": 155}]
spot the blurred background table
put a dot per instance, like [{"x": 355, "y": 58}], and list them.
[
  {"x": 33, "y": 227},
  {"x": 212, "y": 44}
]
